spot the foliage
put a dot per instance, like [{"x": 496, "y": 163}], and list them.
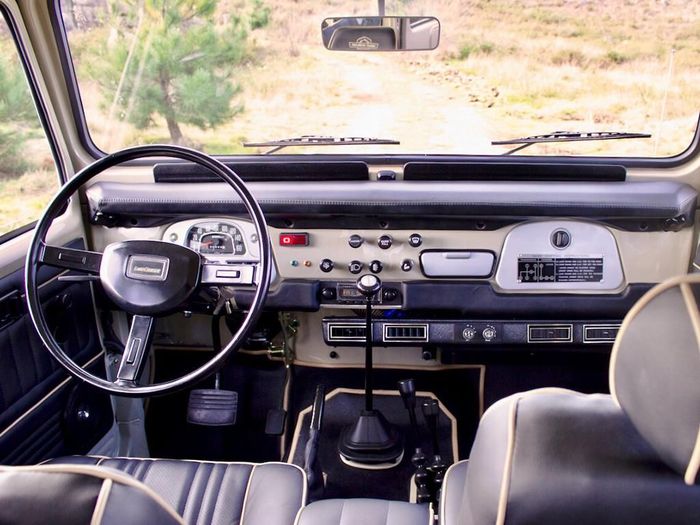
[
  {"x": 171, "y": 60},
  {"x": 261, "y": 15},
  {"x": 17, "y": 114}
]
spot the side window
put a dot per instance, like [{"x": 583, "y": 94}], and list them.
[{"x": 28, "y": 176}]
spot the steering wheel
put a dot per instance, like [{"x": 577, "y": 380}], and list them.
[{"x": 146, "y": 278}]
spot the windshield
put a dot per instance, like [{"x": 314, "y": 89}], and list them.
[{"x": 216, "y": 74}]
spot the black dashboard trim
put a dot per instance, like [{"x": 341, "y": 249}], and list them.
[{"x": 618, "y": 200}]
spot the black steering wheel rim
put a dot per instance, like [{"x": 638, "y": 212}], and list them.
[{"x": 61, "y": 199}]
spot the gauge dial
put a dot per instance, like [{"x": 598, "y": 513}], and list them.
[{"x": 216, "y": 238}]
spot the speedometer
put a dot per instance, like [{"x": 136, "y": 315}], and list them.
[{"x": 216, "y": 238}]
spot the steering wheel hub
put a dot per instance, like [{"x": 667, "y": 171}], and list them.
[{"x": 149, "y": 277}]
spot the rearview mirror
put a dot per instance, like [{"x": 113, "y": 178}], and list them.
[{"x": 381, "y": 33}]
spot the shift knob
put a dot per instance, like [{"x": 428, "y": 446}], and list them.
[
  {"x": 407, "y": 389},
  {"x": 368, "y": 285}
]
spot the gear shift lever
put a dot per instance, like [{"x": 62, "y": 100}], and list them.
[{"x": 371, "y": 439}]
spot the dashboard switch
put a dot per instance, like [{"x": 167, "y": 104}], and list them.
[
  {"x": 407, "y": 265},
  {"x": 376, "y": 266},
  {"x": 385, "y": 242},
  {"x": 326, "y": 265},
  {"x": 415, "y": 240},
  {"x": 355, "y": 241},
  {"x": 294, "y": 239},
  {"x": 356, "y": 267}
]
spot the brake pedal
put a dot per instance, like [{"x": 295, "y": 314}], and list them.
[{"x": 212, "y": 407}]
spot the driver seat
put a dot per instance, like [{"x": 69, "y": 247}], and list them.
[{"x": 151, "y": 491}]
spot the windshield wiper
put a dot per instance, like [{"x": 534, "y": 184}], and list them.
[
  {"x": 316, "y": 140},
  {"x": 568, "y": 136}
]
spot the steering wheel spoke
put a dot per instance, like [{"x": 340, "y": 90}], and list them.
[
  {"x": 71, "y": 259},
  {"x": 136, "y": 350}
]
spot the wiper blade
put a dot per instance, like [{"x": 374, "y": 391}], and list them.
[
  {"x": 316, "y": 140},
  {"x": 568, "y": 136}
]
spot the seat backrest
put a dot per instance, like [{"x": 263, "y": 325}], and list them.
[
  {"x": 77, "y": 495},
  {"x": 655, "y": 372}
]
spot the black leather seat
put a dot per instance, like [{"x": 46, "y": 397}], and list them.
[
  {"x": 214, "y": 493},
  {"x": 553, "y": 456},
  {"x": 79, "y": 495}
]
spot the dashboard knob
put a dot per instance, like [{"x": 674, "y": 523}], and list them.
[
  {"x": 326, "y": 265},
  {"x": 355, "y": 241},
  {"x": 407, "y": 265},
  {"x": 385, "y": 242},
  {"x": 469, "y": 332},
  {"x": 489, "y": 333},
  {"x": 376, "y": 266},
  {"x": 328, "y": 294},
  {"x": 356, "y": 267},
  {"x": 415, "y": 240}
]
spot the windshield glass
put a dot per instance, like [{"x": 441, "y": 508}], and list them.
[{"x": 215, "y": 74}]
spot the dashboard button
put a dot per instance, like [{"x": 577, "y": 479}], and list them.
[
  {"x": 355, "y": 241},
  {"x": 415, "y": 240},
  {"x": 376, "y": 266},
  {"x": 355, "y": 267},
  {"x": 385, "y": 242},
  {"x": 407, "y": 265},
  {"x": 326, "y": 265},
  {"x": 294, "y": 239}
]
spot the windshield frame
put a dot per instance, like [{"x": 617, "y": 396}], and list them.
[{"x": 73, "y": 89}]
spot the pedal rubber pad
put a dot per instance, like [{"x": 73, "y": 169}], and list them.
[
  {"x": 214, "y": 408},
  {"x": 274, "y": 423}
]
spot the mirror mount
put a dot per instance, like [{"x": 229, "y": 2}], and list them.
[{"x": 381, "y": 7}]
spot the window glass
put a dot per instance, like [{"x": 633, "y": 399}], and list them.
[
  {"x": 216, "y": 74},
  {"x": 28, "y": 177}
]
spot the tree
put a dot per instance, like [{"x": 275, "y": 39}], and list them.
[
  {"x": 17, "y": 114},
  {"x": 171, "y": 61}
]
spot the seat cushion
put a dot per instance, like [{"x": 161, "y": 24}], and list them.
[
  {"x": 364, "y": 512},
  {"x": 216, "y": 493},
  {"x": 552, "y": 456}
]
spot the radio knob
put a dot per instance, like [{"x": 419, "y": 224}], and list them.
[
  {"x": 385, "y": 242},
  {"x": 356, "y": 267},
  {"x": 355, "y": 241},
  {"x": 415, "y": 240},
  {"x": 328, "y": 294},
  {"x": 489, "y": 333},
  {"x": 326, "y": 265},
  {"x": 376, "y": 266},
  {"x": 469, "y": 333}
]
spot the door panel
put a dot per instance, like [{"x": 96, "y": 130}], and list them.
[{"x": 34, "y": 390}]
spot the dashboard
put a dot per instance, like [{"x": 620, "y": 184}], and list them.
[{"x": 464, "y": 265}]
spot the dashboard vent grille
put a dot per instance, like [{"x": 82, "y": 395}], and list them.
[
  {"x": 600, "y": 333},
  {"x": 550, "y": 333},
  {"x": 346, "y": 332},
  {"x": 405, "y": 332}
]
